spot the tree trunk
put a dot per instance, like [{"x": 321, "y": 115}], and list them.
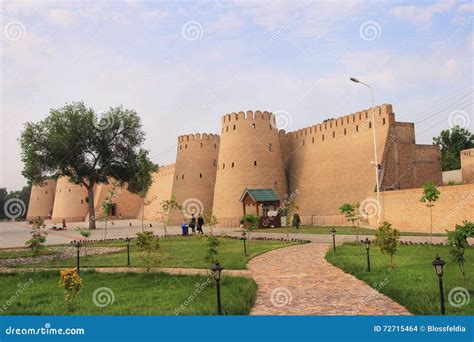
[{"x": 90, "y": 194}]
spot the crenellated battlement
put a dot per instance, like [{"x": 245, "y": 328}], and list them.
[
  {"x": 249, "y": 115},
  {"x": 355, "y": 122},
  {"x": 167, "y": 167},
  {"x": 198, "y": 137}
]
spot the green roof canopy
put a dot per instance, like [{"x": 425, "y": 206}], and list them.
[{"x": 260, "y": 195}]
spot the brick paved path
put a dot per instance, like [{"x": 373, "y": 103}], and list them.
[{"x": 298, "y": 280}]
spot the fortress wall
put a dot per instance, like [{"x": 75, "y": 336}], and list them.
[
  {"x": 249, "y": 157},
  {"x": 330, "y": 162},
  {"x": 195, "y": 175},
  {"x": 404, "y": 210},
  {"x": 159, "y": 191},
  {"x": 42, "y": 200},
  {"x": 467, "y": 165},
  {"x": 126, "y": 203},
  {"x": 69, "y": 202}
]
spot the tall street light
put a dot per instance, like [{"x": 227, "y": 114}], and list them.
[{"x": 375, "y": 163}]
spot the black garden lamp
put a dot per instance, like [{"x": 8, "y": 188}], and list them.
[
  {"x": 78, "y": 246},
  {"x": 438, "y": 264},
  {"x": 244, "y": 238},
  {"x": 333, "y": 231},
  {"x": 367, "y": 248},
  {"x": 127, "y": 241},
  {"x": 217, "y": 272}
]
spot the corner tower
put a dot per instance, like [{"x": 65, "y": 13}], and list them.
[
  {"x": 249, "y": 157},
  {"x": 70, "y": 201},
  {"x": 42, "y": 200},
  {"x": 195, "y": 174}
]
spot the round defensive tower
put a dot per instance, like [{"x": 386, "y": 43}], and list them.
[
  {"x": 70, "y": 202},
  {"x": 42, "y": 200},
  {"x": 249, "y": 157},
  {"x": 195, "y": 174}
]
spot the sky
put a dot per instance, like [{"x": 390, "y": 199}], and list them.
[{"x": 183, "y": 64}]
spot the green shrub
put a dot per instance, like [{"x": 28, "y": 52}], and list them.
[
  {"x": 387, "y": 240},
  {"x": 149, "y": 245}
]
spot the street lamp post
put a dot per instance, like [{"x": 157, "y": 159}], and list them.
[
  {"x": 244, "y": 238},
  {"x": 367, "y": 247},
  {"x": 375, "y": 163},
  {"x": 127, "y": 241},
  {"x": 438, "y": 264},
  {"x": 78, "y": 246},
  {"x": 216, "y": 272},
  {"x": 333, "y": 231}
]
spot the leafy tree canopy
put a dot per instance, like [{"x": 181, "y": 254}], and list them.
[
  {"x": 75, "y": 142},
  {"x": 452, "y": 142}
]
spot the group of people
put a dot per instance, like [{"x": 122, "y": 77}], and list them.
[{"x": 193, "y": 224}]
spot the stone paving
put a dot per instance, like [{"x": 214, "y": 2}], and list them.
[{"x": 298, "y": 280}]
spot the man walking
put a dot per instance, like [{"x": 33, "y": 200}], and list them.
[
  {"x": 200, "y": 223},
  {"x": 192, "y": 224}
]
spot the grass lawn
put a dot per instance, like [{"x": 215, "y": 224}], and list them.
[
  {"x": 413, "y": 282},
  {"x": 174, "y": 252},
  {"x": 340, "y": 230},
  {"x": 134, "y": 294},
  {"x": 21, "y": 253}
]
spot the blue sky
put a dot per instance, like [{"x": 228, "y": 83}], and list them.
[{"x": 183, "y": 64}]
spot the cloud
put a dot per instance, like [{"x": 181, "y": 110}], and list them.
[
  {"x": 467, "y": 7},
  {"x": 422, "y": 14},
  {"x": 63, "y": 17}
]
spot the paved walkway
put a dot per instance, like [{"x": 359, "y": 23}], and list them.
[
  {"x": 298, "y": 280},
  {"x": 14, "y": 234}
]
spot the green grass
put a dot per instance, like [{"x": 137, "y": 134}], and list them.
[
  {"x": 340, "y": 230},
  {"x": 412, "y": 282},
  {"x": 189, "y": 252},
  {"x": 134, "y": 294},
  {"x": 21, "y": 253}
]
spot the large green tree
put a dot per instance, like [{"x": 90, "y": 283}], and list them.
[
  {"x": 75, "y": 142},
  {"x": 452, "y": 142}
]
